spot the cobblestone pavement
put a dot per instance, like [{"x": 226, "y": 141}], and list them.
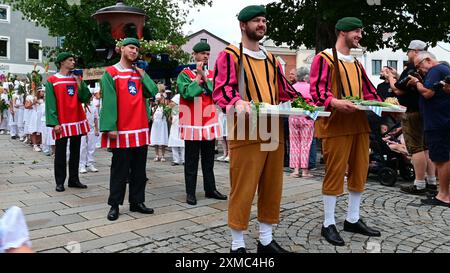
[{"x": 75, "y": 220}]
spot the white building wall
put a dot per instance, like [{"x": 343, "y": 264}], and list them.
[{"x": 442, "y": 52}]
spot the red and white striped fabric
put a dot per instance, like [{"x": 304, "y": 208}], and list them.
[
  {"x": 71, "y": 116},
  {"x": 192, "y": 133},
  {"x": 72, "y": 129},
  {"x": 132, "y": 122},
  {"x": 203, "y": 125},
  {"x": 127, "y": 139}
]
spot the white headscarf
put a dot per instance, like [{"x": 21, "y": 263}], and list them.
[{"x": 13, "y": 230}]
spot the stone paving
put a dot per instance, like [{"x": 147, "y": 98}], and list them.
[{"x": 75, "y": 220}]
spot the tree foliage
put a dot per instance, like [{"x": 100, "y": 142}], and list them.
[
  {"x": 82, "y": 33},
  {"x": 311, "y": 22}
]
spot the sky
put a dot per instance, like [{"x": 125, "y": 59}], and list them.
[{"x": 220, "y": 19}]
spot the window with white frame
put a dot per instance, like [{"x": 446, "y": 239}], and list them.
[
  {"x": 393, "y": 64},
  {"x": 5, "y": 14},
  {"x": 376, "y": 67},
  {"x": 34, "y": 52},
  {"x": 4, "y": 47},
  {"x": 204, "y": 40}
]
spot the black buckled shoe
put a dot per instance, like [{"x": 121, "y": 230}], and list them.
[
  {"x": 60, "y": 188},
  {"x": 140, "y": 207},
  {"x": 240, "y": 250},
  {"x": 273, "y": 247},
  {"x": 332, "y": 236},
  {"x": 191, "y": 200},
  {"x": 216, "y": 195},
  {"x": 412, "y": 189},
  {"x": 361, "y": 228},
  {"x": 431, "y": 187},
  {"x": 77, "y": 184},
  {"x": 113, "y": 213}
]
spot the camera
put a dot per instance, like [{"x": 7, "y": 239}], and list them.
[
  {"x": 77, "y": 72},
  {"x": 447, "y": 79},
  {"x": 403, "y": 83},
  {"x": 141, "y": 64},
  {"x": 439, "y": 85}
]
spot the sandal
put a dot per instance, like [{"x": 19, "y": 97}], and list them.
[
  {"x": 307, "y": 175},
  {"x": 296, "y": 175},
  {"x": 433, "y": 201}
]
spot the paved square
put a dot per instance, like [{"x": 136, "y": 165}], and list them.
[{"x": 75, "y": 220}]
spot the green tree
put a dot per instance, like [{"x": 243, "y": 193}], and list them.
[
  {"x": 82, "y": 33},
  {"x": 311, "y": 22}
]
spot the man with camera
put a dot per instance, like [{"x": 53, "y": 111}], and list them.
[
  {"x": 124, "y": 123},
  {"x": 434, "y": 103},
  {"x": 64, "y": 94},
  {"x": 412, "y": 124}
]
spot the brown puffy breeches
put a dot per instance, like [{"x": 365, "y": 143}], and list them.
[
  {"x": 338, "y": 152},
  {"x": 252, "y": 169}
]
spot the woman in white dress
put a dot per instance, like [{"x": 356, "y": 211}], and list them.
[
  {"x": 40, "y": 108},
  {"x": 159, "y": 136},
  {"x": 175, "y": 142},
  {"x": 16, "y": 114},
  {"x": 30, "y": 117},
  {"x": 29, "y": 104},
  {"x": 5, "y": 113}
]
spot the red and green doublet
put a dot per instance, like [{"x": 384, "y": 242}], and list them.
[
  {"x": 63, "y": 105},
  {"x": 198, "y": 113},
  {"x": 124, "y": 107}
]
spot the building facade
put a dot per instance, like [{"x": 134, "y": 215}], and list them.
[
  {"x": 21, "y": 43},
  {"x": 217, "y": 44}
]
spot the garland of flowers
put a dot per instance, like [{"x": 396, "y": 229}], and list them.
[
  {"x": 159, "y": 48},
  {"x": 3, "y": 106},
  {"x": 35, "y": 79},
  {"x": 167, "y": 111}
]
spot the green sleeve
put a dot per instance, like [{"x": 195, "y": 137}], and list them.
[
  {"x": 84, "y": 95},
  {"x": 149, "y": 86},
  {"x": 108, "y": 113},
  {"x": 209, "y": 83},
  {"x": 51, "y": 113},
  {"x": 188, "y": 88},
  {"x": 149, "y": 110}
]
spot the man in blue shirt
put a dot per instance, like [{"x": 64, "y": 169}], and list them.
[{"x": 435, "y": 108}]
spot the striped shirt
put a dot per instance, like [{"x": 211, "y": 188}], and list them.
[
  {"x": 263, "y": 78},
  {"x": 354, "y": 82}
]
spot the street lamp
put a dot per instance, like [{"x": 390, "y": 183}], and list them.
[{"x": 122, "y": 18}]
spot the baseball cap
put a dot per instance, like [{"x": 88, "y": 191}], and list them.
[{"x": 417, "y": 45}]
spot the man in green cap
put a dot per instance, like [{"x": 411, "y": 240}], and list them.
[
  {"x": 199, "y": 124},
  {"x": 244, "y": 73},
  {"x": 124, "y": 127},
  {"x": 64, "y": 94},
  {"x": 336, "y": 74}
]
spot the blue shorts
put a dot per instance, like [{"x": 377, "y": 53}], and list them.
[{"x": 438, "y": 144}]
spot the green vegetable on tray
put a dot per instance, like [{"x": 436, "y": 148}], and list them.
[
  {"x": 375, "y": 103},
  {"x": 359, "y": 101},
  {"x": 301, "y": 103},
  {"x": 353, "y": 99}
]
